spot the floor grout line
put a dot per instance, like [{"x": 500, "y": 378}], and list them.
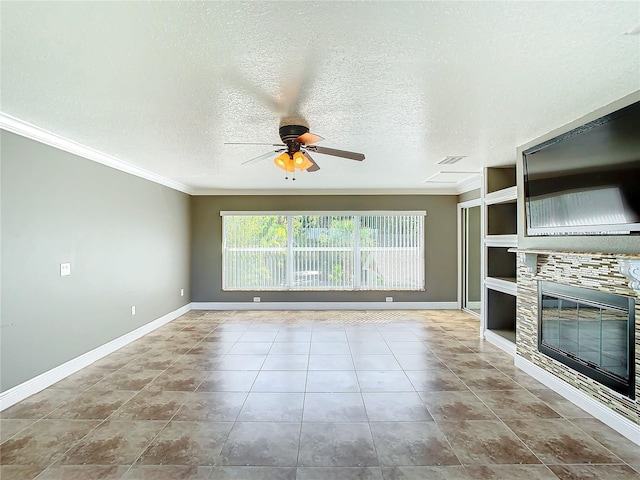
[{"x": 441, "y": 336}]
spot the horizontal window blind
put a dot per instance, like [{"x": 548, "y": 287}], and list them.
[{"x": 323, "y": 251}]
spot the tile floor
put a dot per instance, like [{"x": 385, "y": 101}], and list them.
[{"x": 308, "y": 395}]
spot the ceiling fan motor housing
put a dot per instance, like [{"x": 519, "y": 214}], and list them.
[{"x": 288, "y": 133}]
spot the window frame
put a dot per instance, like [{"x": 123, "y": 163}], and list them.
[{"x": 355, "y": 248}]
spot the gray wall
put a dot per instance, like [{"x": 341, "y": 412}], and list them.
[
  {"x": 585, "y": 243},
  {"x": 440, "y": 244},
  {"x": 127, "y": 240}
]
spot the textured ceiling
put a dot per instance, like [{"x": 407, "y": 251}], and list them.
[{"x": 163, "y": 85}]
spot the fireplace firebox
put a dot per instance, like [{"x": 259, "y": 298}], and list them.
[{"x": 590, "y": 331}]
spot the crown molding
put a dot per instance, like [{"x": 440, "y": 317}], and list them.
[
  {"x": 470, "y": 184},
  {"x": 320, "y": 192},
  {"x": 27, "y": 130}
]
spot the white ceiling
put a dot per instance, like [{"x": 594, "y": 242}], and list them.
[{"x": 159, "y": 84}]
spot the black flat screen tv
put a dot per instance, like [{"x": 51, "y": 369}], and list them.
[{"x": 586, "y": 181}]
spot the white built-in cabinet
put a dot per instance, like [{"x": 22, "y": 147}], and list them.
[{"x": 499, "y": 233}]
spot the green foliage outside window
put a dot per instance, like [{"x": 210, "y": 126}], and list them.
[{"x": 321, "y": 253}]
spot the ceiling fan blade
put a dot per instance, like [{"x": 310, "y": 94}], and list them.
[
  {"x": 314, "y": 167},
  {"x": 309, "y": 138},
  {"x": 264, "y": 156},
  {"x": 256, "y": 92},
  {"x": 337, "y": 153},
  {"x": 298, "y": 86},
  {"x": 255, "y": 143}
]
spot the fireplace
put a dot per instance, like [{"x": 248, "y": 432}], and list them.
[{"x": 590, "y": 331}]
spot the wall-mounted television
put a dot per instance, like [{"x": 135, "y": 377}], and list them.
[{"x": 586, "y": 181}]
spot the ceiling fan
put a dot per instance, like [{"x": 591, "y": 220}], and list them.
[{"x": 297, "y": 141}]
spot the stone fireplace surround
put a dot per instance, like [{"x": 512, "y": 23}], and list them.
[{"x": 614, "y": 273}]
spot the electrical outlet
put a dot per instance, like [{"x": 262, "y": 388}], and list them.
[
  {"x": 133, "y": 310},
  {"x": 182, "y": 292},
  {"x": 389, "y": 299},
  {"x": 65, "y": 269},
  {"x": 256, "y": 299}
]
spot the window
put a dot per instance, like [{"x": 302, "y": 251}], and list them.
[{"x": 323, "y": 251}]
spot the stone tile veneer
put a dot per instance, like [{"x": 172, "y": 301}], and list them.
[{"x": 595, "y": 271}]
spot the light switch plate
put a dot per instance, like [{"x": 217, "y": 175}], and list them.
[{"x": 65, "y": 269}]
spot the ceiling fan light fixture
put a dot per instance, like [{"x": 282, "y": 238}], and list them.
[
  {"x": 282, "y": 161},
  {"x": 297, "y": 143},
  {"x": 301, "y": 162}
]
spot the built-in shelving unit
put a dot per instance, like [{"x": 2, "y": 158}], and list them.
[{"x": 498, "y": 262}]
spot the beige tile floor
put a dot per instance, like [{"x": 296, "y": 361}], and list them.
[{"x": 308, "y": 395}]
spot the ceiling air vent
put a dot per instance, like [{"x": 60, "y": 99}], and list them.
[{"x": 450, "y": 160}]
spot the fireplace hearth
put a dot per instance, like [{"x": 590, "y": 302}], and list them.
[{"x": 589, "y": 331}]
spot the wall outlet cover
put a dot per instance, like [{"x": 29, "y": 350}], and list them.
[
  {"x": 65, "y": 269},
  {"x": 389, "y": 299},
  {"x": 133, "y": 310},
  {"x": 256, "y": 299},
  {"x": 182, "y": 292}
]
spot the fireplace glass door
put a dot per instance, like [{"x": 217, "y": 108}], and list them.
[{"x": 589, "y": 331}]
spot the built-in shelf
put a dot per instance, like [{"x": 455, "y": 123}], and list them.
[
  {"x": 506, "y": 334},
  {"x": 503, "y": 339},
  {"x": 504, "y": 285},
  {"x": 506, "y": 195},
  {"x": 499, "y": 179},
  {"x": 501, "y": 240},
  {"x": 501, "y": 307},
  {"x": 506, "y": 279},
  {"x": 500, "y": 262},
  {"x": 499, "y": 258},
  {"x": 501, "y": 219}
]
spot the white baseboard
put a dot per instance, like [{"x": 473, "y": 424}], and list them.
[
  {"x": 472, "y": 312},
  {"x": 46, "y": 379},
  {"x": 324, "y": 306},
  {"x": 500, "y": 342},
  {"x": 616, "y": 421}
]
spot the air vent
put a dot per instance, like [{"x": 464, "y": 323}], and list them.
[{"x": 450, "y": 160}]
